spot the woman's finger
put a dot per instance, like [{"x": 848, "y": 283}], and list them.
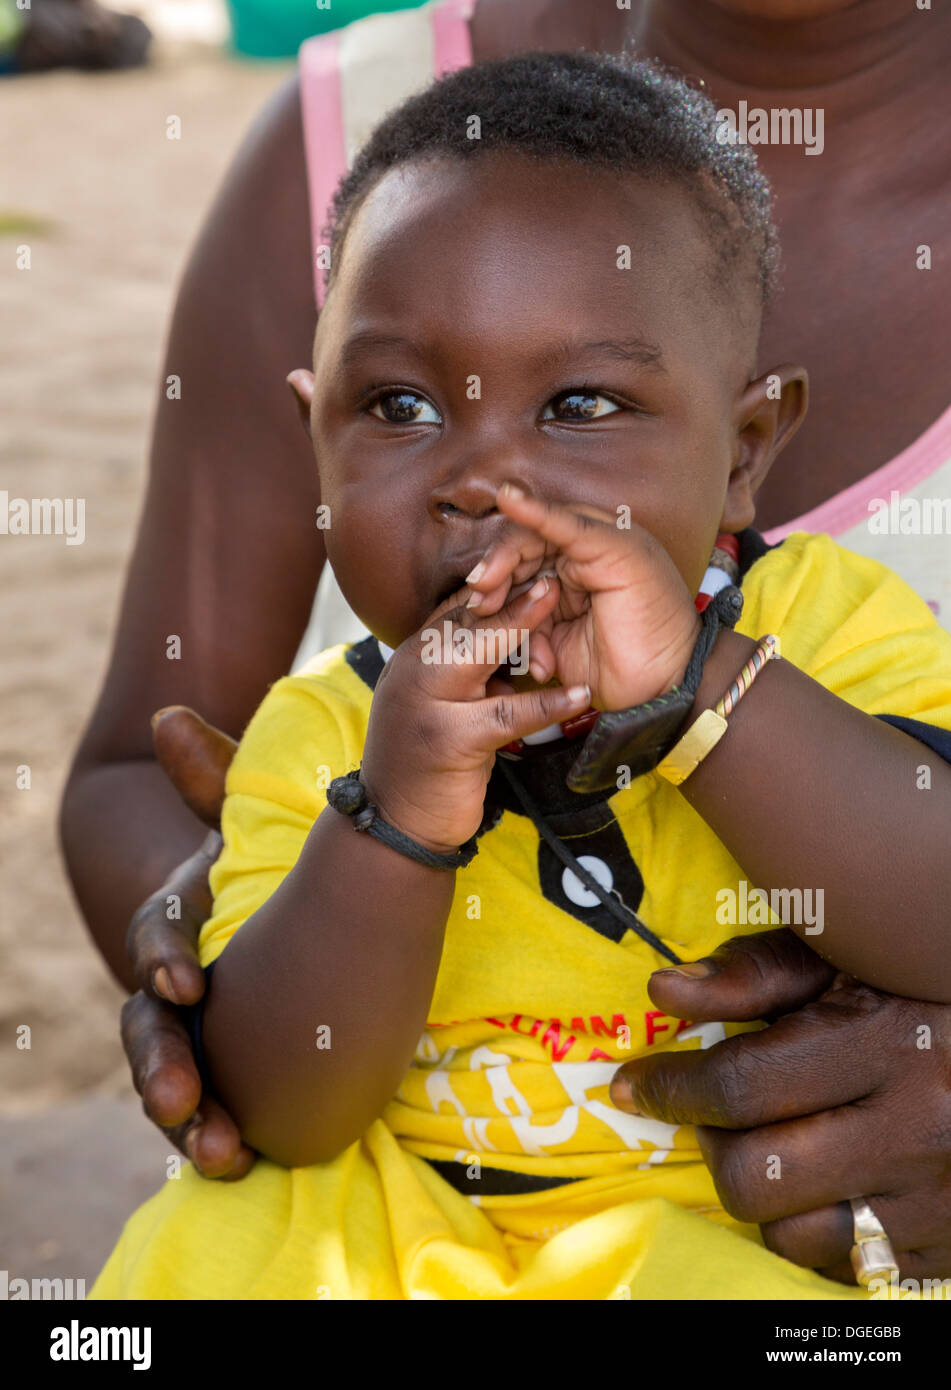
[
  {"x": 195, "y": 757},
  {"x": 162, "y": 938},
  {"x": 929, "y": 1262},
  {"x": 823, "y": 1237},
  {"x": 833, "y": 1052},
  {"x": 777, "y": 1171},
  {"x": 212, "y": 1141},
  {"x": 160, "y": 1055},
  {"x": 748, "y": 977}
]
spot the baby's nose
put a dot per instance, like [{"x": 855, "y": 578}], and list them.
[{"x": 470, "y": 489}]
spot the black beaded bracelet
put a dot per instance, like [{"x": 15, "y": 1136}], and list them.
[
  {"x": 638, "y": 738},
  {"x": 348, "y": 795}
]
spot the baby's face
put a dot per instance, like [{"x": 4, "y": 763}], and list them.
[{"x": 480, "y": 329}]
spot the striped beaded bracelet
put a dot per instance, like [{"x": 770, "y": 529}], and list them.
[
  {"x": 767, "y": 649},
  {"x": 706, "y": 731}
]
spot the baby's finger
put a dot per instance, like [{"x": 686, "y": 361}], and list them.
[
  {"x": 541, "y": 658},
  {"x": 515, "y": 557},
  {"x": 466, "y": 650},
  {"x": 485, "y": 604},
  {"x": 576, "y": 533},
  {"x": 508, "y": 717}
]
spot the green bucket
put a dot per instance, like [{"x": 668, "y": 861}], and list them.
[{"x": 277, "y": 28}]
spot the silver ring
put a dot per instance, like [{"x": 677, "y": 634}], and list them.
[{"x": 871, "y": 1255}]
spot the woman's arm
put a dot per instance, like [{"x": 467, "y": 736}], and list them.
[{"x": 228, "y": 553}]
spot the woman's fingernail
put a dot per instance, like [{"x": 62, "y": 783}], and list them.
[
  {"x": 512, "y": 490},
  {"x": 697, "y": 970},
  {"x": 577, "y": 693},
  {"x": 621, "y": 1095},
  {"x": 477, "y": 573},
  {"x": 162, "y": 985},
  {"x": 539, "y": 589},
  {"x": 190, "y": 1141}
]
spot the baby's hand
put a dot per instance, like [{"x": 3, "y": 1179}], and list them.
[
  {"x": 435, "y": 723},
  {"x": 624, "y": 622}
]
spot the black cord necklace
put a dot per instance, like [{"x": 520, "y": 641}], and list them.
[{"x": 620, "y": 910}]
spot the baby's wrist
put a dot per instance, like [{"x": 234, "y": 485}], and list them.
[
  {"x": 403, "y": 819},
  {"x": 729, "y": 653},
  {"x": 681, "y": 653}
]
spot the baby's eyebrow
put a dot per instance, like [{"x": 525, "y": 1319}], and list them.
[
  {"x": 369, "y": 341},
  {"x": 634, "y": 350}
]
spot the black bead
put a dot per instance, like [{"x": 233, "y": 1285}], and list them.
[{"x": 347, "y": 794}]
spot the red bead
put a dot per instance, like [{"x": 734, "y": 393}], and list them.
[
  {"x": 579, "y": 723},
  {"x": 729, "y": 543}
]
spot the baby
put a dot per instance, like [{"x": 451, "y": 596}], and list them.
[{"x": 538, "y": 416}]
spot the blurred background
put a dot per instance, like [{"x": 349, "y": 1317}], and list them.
[{"x": 108, "y": 207}]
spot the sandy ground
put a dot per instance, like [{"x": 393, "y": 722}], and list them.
[{"x": 114, "y": 206}]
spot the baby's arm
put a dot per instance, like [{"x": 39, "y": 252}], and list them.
[
  {"x": 351, "y": 939},
  {"x": 804, "y": 789}
]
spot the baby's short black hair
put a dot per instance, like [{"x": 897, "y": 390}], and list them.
[{"x": 610, "y": 112}]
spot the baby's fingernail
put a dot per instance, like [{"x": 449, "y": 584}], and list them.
[
  {"x": 163, "y": 986},
  {"x": 539, "y": 589},
  {"x": 476, "y": 574},
  {"x": 512, "y": 490},
  {"x": 697, "y": 970},
  {"x": 577, "y": 693}
]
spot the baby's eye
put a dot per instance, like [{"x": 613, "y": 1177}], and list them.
[
  {"x": 404, "y": 408},
  {"x": 579, "y": 405}
]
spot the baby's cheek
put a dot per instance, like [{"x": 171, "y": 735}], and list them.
[{"x": 374, "y": 575}]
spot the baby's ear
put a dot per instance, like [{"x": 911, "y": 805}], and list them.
[
  {"x": 301, "y": 382},
  {"x": 768, "y": 413}
]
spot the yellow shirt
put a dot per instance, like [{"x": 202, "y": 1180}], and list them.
[{"x": 536, "y": 1004}]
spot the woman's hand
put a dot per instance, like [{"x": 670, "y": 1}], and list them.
[
  {"x": 162, "y": 945},
  {"x": 850, "y": 1087},
  {"x": 624, "y": 624}
]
